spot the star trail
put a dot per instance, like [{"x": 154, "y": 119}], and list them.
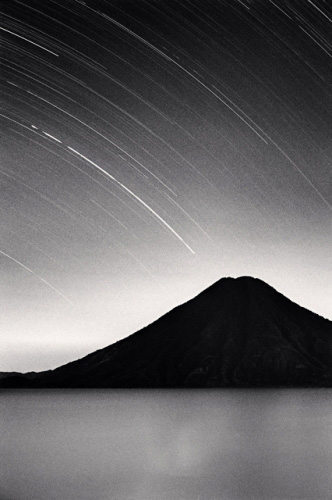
[{"x": 151, "y": 148}]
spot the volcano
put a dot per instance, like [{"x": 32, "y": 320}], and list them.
[{"x": 239, "y": 332}]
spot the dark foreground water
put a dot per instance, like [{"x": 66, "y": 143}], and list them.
[{"x": 147, "y": 445}]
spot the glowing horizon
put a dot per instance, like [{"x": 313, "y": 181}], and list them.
[{"x": 150, "y": 150}]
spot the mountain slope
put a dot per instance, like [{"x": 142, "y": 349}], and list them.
[{"x": 237, "y": 333}]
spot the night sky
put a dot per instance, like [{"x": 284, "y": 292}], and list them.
[{"x": 150, "y": 148}]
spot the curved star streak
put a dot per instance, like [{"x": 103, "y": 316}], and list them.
[
  {"x": 138, "y": 134},
  {"x": 134, "y": 196},
  {"x": 37, "y": 276}
]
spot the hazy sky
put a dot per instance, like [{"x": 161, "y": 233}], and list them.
[{"x": 150, "y": 148}]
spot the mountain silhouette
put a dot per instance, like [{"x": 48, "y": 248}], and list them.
[{"x": 237, "y": 333}]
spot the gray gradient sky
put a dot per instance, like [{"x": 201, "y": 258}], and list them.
[{"x": 148, "y": 150}]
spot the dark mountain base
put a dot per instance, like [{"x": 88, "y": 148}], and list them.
[{"x": 237, "y": 333}]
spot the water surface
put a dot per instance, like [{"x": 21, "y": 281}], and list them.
[{"x": 156, "y": 445}]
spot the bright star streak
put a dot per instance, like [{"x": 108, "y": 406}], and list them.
[
  {"x": 52, "y": 137},
  {"x": 30, "y": 41},
  {"x": 98, "y": 133},
  {"x": 160, "y": 52},
  {"x": 134, "y": 196},
  {"x": 189, "y": 217},
  {"x": 38, "y": 277},
  {"x": 323, "y": 13},
  {"x": 302, "y": 173},
  {"x": 111, "y": 215},
  {"x": 111, "y": 142},
  {"x": 215, "y": 116}
]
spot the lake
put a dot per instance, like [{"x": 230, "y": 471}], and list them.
[{"x": 172, "y": 445}]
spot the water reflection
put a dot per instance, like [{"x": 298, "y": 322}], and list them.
[{"x": 127, "y": 445}]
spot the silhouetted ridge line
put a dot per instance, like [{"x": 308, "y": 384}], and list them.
[{"x": 239, "y": 332}]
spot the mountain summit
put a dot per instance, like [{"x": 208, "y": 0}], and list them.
[{"x": 236, "y": 333}]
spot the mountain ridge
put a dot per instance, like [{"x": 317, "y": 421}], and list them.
[{"x": 238, "y": 332}]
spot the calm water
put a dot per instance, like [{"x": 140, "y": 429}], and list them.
[{"x": 146, "y": 445}]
